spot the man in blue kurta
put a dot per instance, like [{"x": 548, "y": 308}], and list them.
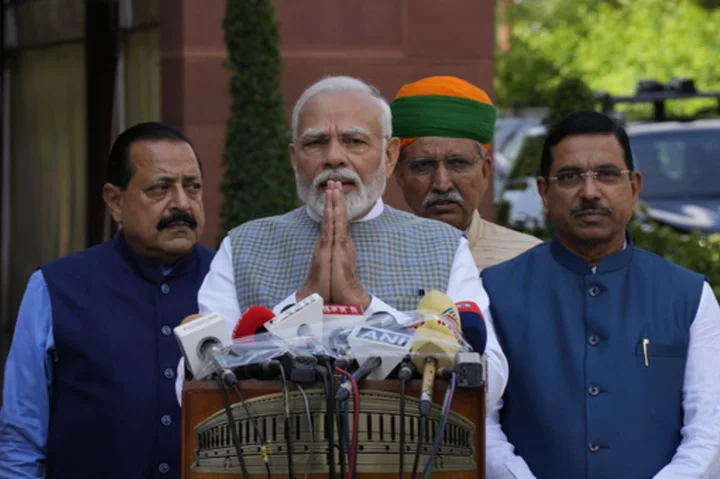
[
  {"x": 613, "y": 352},
  {"x": 89, "y": 379}
]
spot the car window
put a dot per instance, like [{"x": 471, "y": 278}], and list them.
[
  {"x": 527, "y": 163},
  {"x": 678, "y": 163}
]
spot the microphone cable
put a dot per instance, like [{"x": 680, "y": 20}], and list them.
[
  {"x": 310, "y": 426},
  {"x": 341, "y": 435},
  {"x": 352, "y": 453},
  {"x": 336, "y": 415},
  {"x": 421, "y": 433},
  {"x": 329, "y": 419},
  {"x": 231, "y": 423},
  {"x": 449, "y": 393},
  {"x": 263, "y": 443},
  {"x": 288, "y": 432},
  {"x": 404, "y": 374}
]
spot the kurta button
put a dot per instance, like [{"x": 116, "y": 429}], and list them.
[
  {"x": 169, "y": 373},
  {"x": 594, "y": 340},
  {"x": 165, "y": 288},
  {"x": 594, "y": 290},
  {"x": 164, "y": 468},
  {"x": 166, "y": 330},
  {"x": 166, "y": 420},
  {"x": 593, "y": 390},
  {"x": 593, "y": 447}
]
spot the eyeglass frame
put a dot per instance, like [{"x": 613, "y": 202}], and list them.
[{"x": 584, "y": 174}]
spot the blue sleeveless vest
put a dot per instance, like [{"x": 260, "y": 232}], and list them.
[
  {"x": 580, "y": 401},
  {"x": 113, "y": 410}
]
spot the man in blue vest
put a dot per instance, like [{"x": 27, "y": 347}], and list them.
[
  {"x": 89, "y": 381},
  {"x": 613, "y": 352}
]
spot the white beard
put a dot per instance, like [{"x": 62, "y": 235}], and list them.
[{"x": 356, "y": 202}]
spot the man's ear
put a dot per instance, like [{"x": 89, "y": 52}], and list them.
[
  {"x": 113, "y": 199},
  {"x": 291, "y": 149},
  {"x": 636, "y": 181},
  {"x": 542, "y": 186},
  {"x": 393, "y": 153}
]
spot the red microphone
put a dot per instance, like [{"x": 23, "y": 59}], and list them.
[{"x": 252, "y": 322}]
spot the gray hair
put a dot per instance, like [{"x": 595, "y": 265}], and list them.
[{"x": 343, "y": 83}]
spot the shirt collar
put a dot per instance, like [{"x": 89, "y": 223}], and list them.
[
  {"x": 613, "y": 262},
  {"x": 376, "y": 211},
  {"x": 149, "y": 268}
]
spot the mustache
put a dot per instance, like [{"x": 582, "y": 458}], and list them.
[
  {"x": 339, "y": 174},
  {"x": 591, "y": 205},
  {"x": 448, "y": 196},
  {"x": 177, "y": 217}
]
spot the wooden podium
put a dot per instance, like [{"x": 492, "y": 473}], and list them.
[{"x": 208, "y": 452}]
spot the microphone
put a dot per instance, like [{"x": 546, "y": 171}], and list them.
[
  {"x": 200, "y": 337},
  {"x": 338, "y": 321},
  {"x": 388, "y": 344},
  {"x": 303, "y": 319},
  {"x": 434, "y": 346},
  {"x": 253, "y": 321},
  {"x": 440, "y": 304},
  {"x": 360, "y": 373},
  {"x": 473, "y": 325}
]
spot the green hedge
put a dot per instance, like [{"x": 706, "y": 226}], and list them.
[{"x": 691, "y": 250}]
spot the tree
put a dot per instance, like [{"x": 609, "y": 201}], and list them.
[
  {"x": 610, "y": 45},
  {"x": 258, "y": 179},
  {"x": 571, "y": 95}
]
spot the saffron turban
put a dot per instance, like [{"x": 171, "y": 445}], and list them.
[{"x": 443, "y": 106}]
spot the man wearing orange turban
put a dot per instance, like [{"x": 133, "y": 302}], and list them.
[{"x": 446, "y": 126}]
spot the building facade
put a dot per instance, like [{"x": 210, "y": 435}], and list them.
[{"x": 77, "y": 72}]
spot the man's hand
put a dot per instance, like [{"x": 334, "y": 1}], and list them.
[
  {"x": 345, "y": 287},
  {"x": 318, "y": 279}
]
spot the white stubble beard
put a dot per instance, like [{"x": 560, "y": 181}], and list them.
[{"x": 356, "y": 202}]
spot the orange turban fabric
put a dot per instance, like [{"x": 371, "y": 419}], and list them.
[{"x": 443, "y": 106}]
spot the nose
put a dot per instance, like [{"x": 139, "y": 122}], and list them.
[
  {"x": 179, "y": 200},
  {"x": 589, "y": 188},
  {"x": 336, "y": 155},
  {"x": 442, "y": 181}
]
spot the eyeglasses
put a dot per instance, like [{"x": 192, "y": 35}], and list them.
[
  {"x": 575, "y": 178},
  {"x": 428, "y": 167}
]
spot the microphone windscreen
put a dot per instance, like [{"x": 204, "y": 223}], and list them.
[
  {"x": 439, "y": 303},
  {"x": 252, "y": 321},
  {"x": 434, "y": 339},
  {"x": 473, "y": 325}
]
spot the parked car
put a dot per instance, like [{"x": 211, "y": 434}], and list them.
[
  {"x": 510, "y": 134},
  {"x": 680, "y": 163}
]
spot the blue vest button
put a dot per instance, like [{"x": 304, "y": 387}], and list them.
[
  {"x": 166, "y": 330},
  {"x": 593, "y": 390},
  {"x": 593, "y": 340},
  {"x": 169, "y": 373},
  {"x": 165, "y": 288},
  {"x": 594, "y": 290},
  {"x": 166, "y": 420},
  {"x": 593, "y": 447},
  {"x": 164, "y": 468}
]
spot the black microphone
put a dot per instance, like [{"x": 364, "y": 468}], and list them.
[{"x": 372, "y": 363}]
